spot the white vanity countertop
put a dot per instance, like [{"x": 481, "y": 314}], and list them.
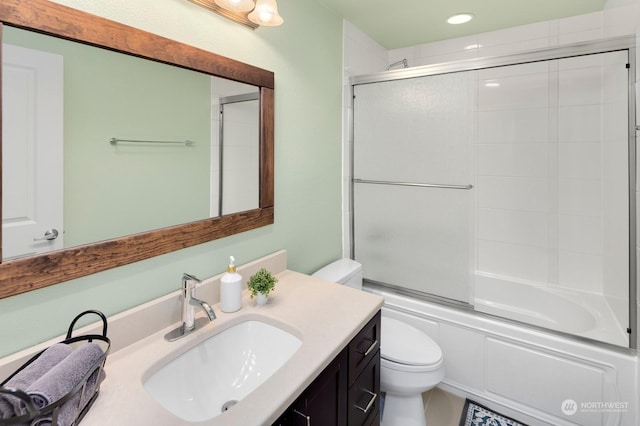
[{"x": 325, "y": 316}]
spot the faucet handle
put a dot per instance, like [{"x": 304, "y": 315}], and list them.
[{"x": 186, "y": 276}]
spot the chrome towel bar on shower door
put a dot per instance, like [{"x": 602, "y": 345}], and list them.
[{"x": 424, "y": 185}]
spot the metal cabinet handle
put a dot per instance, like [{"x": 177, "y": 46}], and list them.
[
  {"x": 371, "y": 348},
  {"x": 49, "y": 235},
  {"x": 370, "y": 404},
  {"x": 308, "y": 418}
]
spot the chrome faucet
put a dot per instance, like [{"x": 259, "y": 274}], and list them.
[{"x": 189, "y": 302}]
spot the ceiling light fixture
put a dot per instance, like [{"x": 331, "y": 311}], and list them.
[
  {"x": 460, "y": 18},
  {"x": 236, "y": 5},
  {"x": 266, "y": 13}
]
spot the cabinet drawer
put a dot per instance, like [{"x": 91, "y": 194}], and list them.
[
  {"x": 364, "y": 395},
  {"x": 363, "y": 347}
]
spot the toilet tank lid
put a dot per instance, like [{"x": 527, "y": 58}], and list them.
[
  {"x": 340, "y": 271},
  {"x": 405, "y": 344}
]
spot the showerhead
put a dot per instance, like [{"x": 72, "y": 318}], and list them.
[{"x": 404, "y": 63}]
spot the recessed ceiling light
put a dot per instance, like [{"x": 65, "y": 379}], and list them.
[
  {"x": 492, "y": 83},
  {"x": 460, "y": 18},
  {"x": 473, "y": 46}
]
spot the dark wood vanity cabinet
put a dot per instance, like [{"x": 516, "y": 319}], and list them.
[
  {"x": 364, "y": 375},
  {"x": 347, "y": 392}
]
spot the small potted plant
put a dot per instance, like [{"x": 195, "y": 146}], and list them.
[{"x": 260, "y": 284}]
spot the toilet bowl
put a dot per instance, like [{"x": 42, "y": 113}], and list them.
[{"x": 410, "y": 361}]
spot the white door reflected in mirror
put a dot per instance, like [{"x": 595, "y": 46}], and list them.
[{"x": 32, "y": 161}]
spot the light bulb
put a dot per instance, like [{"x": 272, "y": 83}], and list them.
[
  {"x": 266, "y": 13},
  {"x": 236, "y": 5}
]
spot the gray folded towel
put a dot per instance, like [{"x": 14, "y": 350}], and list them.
[
  {"x": 11, "y": 406},
  {"x": 72, "y": 408},
  {"x": 64, "y": 376}
]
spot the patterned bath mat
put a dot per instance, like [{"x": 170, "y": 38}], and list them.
[{"x": 474, "y": 414}]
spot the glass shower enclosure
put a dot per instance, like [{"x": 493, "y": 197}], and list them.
[{"x": 504, "y": 185}]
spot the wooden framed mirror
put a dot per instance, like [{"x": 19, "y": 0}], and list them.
[{"x": 37, "y": 271}]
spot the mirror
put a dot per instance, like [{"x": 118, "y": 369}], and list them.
[
  {"x": 143, "y": 145},
  {"x": 208, "y": 210}
]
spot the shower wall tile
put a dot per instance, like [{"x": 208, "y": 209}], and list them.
[
  {"x": 514, "y": 193},
  {"x": 580, "y": 160},
  {"x": 620, "y": 20},
  {"x": 514, "y": 39},
  {"x": 615, "y": 200},
  {"x": 445, "y": 47},
  {"x": 614, "y": 123},
  {"x": 580, "y": 23},
  {"x": 515, "y": 91},
  {"x": 581, "y": 123},
  {"x": 580, "y": 28},
  {"x": 530, "y": 125},
  {"x": 517, "y": 159},
  {"x": 578, "y": 37},
  {"x": 512, "y": 226},
  {"x": 527, "y": 263},
  {"x": 580, "y": 197},
  {"x": 438, "y": 52},
  {"x": 581, "y": 271},
  {"x": 514, "y": 47},
  {"x": 582, "y": 234},
  {"x": 581, "y": 86}
]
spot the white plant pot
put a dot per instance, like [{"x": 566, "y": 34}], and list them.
[{"x": 261, "y": 298}]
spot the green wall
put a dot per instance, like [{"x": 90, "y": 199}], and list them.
[{"x": 305, "y": 55}]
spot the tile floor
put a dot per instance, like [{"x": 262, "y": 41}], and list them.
[{"x": 442, "y": 408}]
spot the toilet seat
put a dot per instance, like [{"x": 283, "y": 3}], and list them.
[{"x": 405, "y": 348}]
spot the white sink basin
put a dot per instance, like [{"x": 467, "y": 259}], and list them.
[{"x": 209, "y": 378}]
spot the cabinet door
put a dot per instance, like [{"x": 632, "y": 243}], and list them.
[
  {"x": 364, "y": 395},
  {"x": 324, "y": 402}
]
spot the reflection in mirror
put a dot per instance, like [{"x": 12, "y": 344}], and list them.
[
  {"x": 37, "y": 271},
  {"x": 108, "y": 131}
]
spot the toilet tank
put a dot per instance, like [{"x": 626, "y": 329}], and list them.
[{"x": 343, "y": 271}]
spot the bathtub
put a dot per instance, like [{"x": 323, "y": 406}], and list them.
[
  {"x": 574, "y": 312},
  {"x": 528, "y": 373}
]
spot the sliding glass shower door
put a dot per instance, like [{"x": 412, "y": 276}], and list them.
[
  {"x": 503, "y": 187},
  {"x": 412, "y": 173}
]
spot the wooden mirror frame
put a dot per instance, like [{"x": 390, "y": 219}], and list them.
[{"x": 38, "y": 271}]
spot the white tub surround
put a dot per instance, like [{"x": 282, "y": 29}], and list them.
[
  {"x": 522, "y": 371},
  {"x": 323, "y": 315}
]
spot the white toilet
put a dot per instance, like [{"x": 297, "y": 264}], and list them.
[{"x": 411, "y": 362}]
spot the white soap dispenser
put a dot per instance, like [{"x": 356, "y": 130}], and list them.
[{"x": 231, "y": 288}]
